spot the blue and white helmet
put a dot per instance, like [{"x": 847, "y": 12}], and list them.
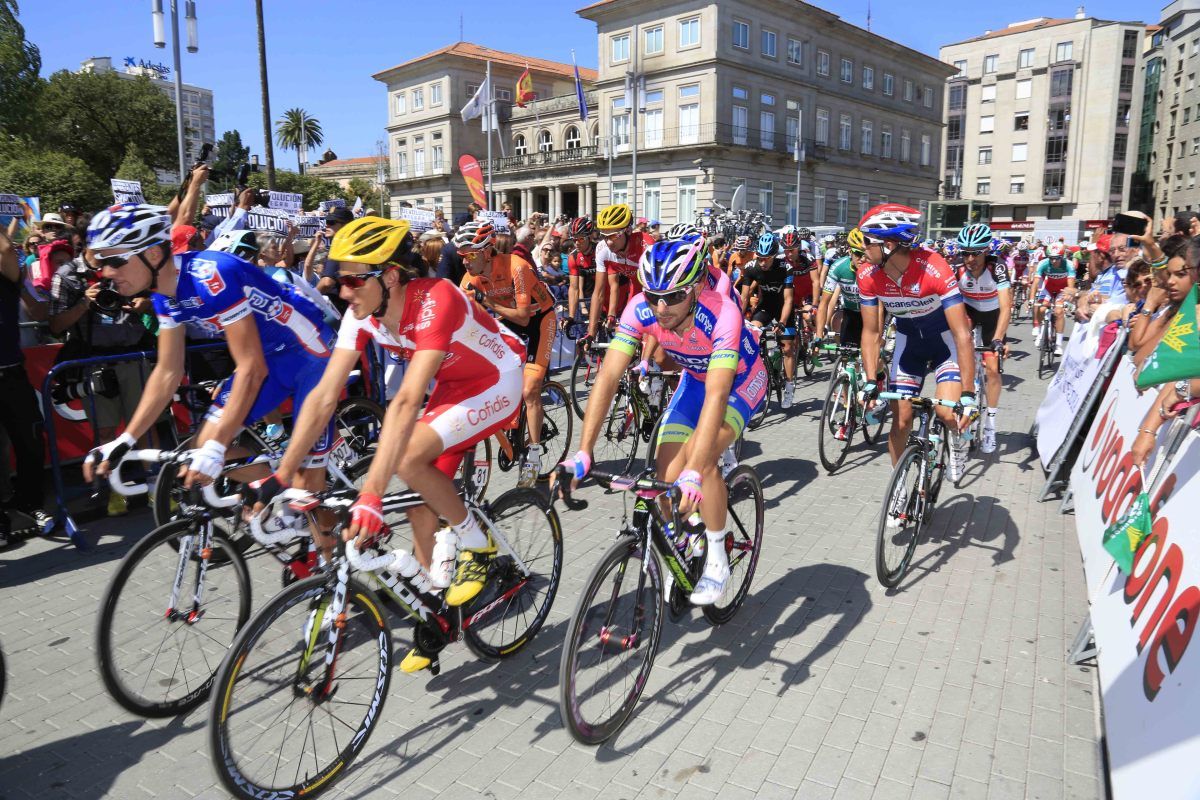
[
  {"x": 129, "y": 228},
  {"x": 767, "y": 245},
  {"x": 683, "y": 230},
  {"x": 673, "y": 264},
  {"x": 892, "y": 222}
]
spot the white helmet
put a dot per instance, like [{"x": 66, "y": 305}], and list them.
[
  {"x": 682, "y": 230},
  {"x": 129, "y": 228},
  {"x": 243, "y": 244}
]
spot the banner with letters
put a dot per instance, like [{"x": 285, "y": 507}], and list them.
[
  {"x": 292, "y": 202},
  {"x": 308, "y": 225},
  {"x": 325, "y": 205},
  {"x": 220, "y": 205},
  {"x": 27, "y": 210},
  {"x": 419, "y": 220},
  {"x": 127, "y": 191},
  {"x": 499, "y": 219},
  {"x": 267, "y": 219}
]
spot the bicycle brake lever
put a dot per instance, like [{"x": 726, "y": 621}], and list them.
[{"x": 564, "y": 478}]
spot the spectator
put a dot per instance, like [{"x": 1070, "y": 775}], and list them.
[
  {"x": 53, "y": 227},
  {"x": 1185, "y": 222},
  {"x": 19, "y": 414},
  {"x": 450, "y": 265},
  {"x": 334, "y": 220},
  {"x": 432, "y": 248},
  {"x": 1138, "y": 282},
  {"x": 70, "y": 215},
  {"x": 1107, "y": 279}
]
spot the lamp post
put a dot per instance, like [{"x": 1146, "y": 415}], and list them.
[{"x": 156, "y": 19}]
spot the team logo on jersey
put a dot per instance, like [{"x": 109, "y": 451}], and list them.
[
  {"x": 644, "y": 313},
  {"x": 272, "y": 308},
  {"x": 205, "y": 270}
]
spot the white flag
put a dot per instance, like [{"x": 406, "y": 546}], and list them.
[
  {"x": 358, "y": 207},
  {"x": 478, "y": 102}
]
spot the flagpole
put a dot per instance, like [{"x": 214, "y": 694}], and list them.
[
  {"x": 633, "y": 111},
  {"x": 488, "y": 108}
]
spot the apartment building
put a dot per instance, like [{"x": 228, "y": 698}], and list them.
[
  {"x": 1172, "y": 156},
  {"x": 1039, "y": 118}
]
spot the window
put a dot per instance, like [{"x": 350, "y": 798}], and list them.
[
  {"x": 1063, "y": 51},
  {"x": 620, "y": 48},
  {"x": 685, "y": 199},
  {"x": 652, "y": 125},
  {"x": 867, "y": 137},
  {"x": 843, "y": 206},
  {"x": 864, "y": 204},
  {"x": 1196, "y": 145},
  {"x": 435, "y": 94},
  {"x": 844, "y": 134},
  {"x": 652, "y": 198},
  {"x": 741, "y": 124},
  {"x": 1025, "y": 89},
  {"x": 545, "y": 142},
  {"x": 987, "y": 94},
  {"x": 1118, "y": 176},
  {"x": 926, "y": 149},
  {"x": 908, "y": 91},
  {"x": 401, "y": 163},
  {"x": 740, "y": 94},
  {"x": 885, "y": 141},
  {"x": 868, "y": 77},
  {"x": 502, "y": 94},
  {"x": 957, "y": 99},
  {"x": 819, "y": 206},
  {"x": 401, "y": 102},
  {"x": 961, "y": 66},
  {"x": 985, "y": 155},
  {"x": 573, "y": 138},
  {"x": 418, "y": 99},
  {"x": 1060, "y": 82},
  {"x": 1025, "y": 59},
  {"x": 1054, "y": 212},
  {"x": 989, "y": 64},
  {"x": 1016, "y": 184},
  {"x": 766, "y": 129},
  {"x": 653, "y": 40},
  {"x": 905, "y": 145},
  {"x": 983, "y": 186},
  {"x": 823, "y": 63},
  {"x": 1020, "y": 152},
  {"x": 1178, "y": 181},
  {"x": 689, "y": 32},
  {"x": 791, "y": 214},
  {"x": 847, "y": 71},
  {"x": 1021, "y": 121},
  {"x": 927, "y": 97},
  {"x": 987, "y": 124},
  {"x": 1187, "y": 115},
  {"x": 889, "y": 84},
  {"x": 520, "y": 146},
  {"x": 741, "y": 34},
  {"x": 822, "y": 133},
  {"x": 620, "y": 192},
  {"x": 620, "y": 123},
  {"x": 689, "y": 114},
  {"x": 795, "y": 51},
  {"x": 954, "y": 129},
  {"x": 766, "y": 99},
  {"x": 1056, "y": 149},
  {"x": 766, "y": 197},
  {"x": 768, "y": 43},
  {"x": 1195, "y": 46},
  {"x": 438, "y": 153},
  {"x": 1129, "y": 48},
  {"x": 419, "y": 161}
]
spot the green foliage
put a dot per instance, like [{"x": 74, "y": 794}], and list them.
[
  {"x": 55, "y": 177},
  {"x": 296, "y": 129},
  {"x": 314, "y": 189},
  {"x": 361, "y": 187},
  {"x": 20, "y": 63},
  {"x": 96, "y": 117},
  {"x": 133, "y": 168},
  {"x": 228, "y": 155}
]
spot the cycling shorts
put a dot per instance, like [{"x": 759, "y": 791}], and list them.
[
  {"x": 682, "y": 414},
  {"x": 988, "y": 321},
  {"x": 851, "y": 331},
  {"x": 464, "y": 414},
  {"x": 917, "y": 356},
  {"x": 1051, "y": 287},
  {"x": 538, "y": 336},
  {"x": 291, "y": 373},
  {"x": 764, "y": 315}
]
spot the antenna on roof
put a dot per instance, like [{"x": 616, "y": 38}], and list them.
[
  {"x": 868, "y": 15},
  {"x": 460, "y": 27}
]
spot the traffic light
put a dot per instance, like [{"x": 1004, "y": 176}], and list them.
[{"x": 937, "y": 215}]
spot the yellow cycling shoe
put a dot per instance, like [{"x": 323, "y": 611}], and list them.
[
  {"x": 471, "y": 574},
  {"x": 415, "y": 661}
]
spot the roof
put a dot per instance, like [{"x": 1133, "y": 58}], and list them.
[
  {"x": 1020, "y": 27},
  {"x": 346, "y": 162},
  {"x": 478, "y": 52}
]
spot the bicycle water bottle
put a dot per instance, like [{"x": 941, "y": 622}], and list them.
[
  {"x": 935, "y": 443},
  {"x": 274, "y": 434},
  {"x": 406, "y": 566}
]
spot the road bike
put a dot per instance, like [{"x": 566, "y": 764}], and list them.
[
  {"x": 842, "y": 416},
  {"x": 1048, "y": 341},
  {"x": 304, "y": 683},
  {"x": 913, "y": 489},
  {"x": 586, "y": 367},
  {"x": 1020, "y": 297},
  {"x": 981, "y": 386},
  {"x": 772, "y": 356},
  {"x": 613, "y": 636},
  {"x": 806, "y": 356}
]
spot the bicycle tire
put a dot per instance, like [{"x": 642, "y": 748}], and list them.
[
  {"x": 937, "y": 474},
  {"x": 475, "y": 473},
  {"x": 617, "y": 445},
  {"x": 583, "y": 376},
  {"x": 839, "y": 404},
  {"x": 112, "y": 670},
  {"x": 491, "y": 608},
  {"x": 359, "y": 420},
  {"x": 804, "y": 351},
  {"x": 617, "y": 557},
  {"x": 905, "y": 537},
  {"x": 365, "y": 620},
  {"x": 743, "y": 545},
  {"x": 558, "y": 423}
]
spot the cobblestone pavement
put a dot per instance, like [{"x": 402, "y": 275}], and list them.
[{"x": 824, "y": 685}]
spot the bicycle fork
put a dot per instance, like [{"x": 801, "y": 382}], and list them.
[
  {"x": 186, "y": 552},
  {"x": 336, "y": 608}
]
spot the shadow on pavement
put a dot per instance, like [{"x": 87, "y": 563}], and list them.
[
  {"x": 960, "y": 522},
  {"x": 28, "y": 560},
  {"x": 784, "y": 476}
]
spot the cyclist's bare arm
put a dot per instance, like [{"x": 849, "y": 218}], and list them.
[
  {"x": 827, "y": 302},
  {"x": 597, "y": 301},
  {"x": 600, "y": 398},
  {"x": 574, "y": 289},
  {"x": 872, "y": 333},
  {"x": 1006, "y": 303},
  {"x": 964, "y": 342},
  {"x": 317, "y": 410}
]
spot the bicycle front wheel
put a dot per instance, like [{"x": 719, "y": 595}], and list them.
[
  {"x": 358, "y": 421},
  {"x": 157, "y": 649},
  {"x": 619, "y": 436},
  {"x": 583, "y": 376},
  {"x": 291, "y": 710},
  {"x": 557, "y": 425},
  {"x": 743, "y": 541},
  {"x": 900, "y": 518},
  {"x": 837, "y": 417},
  {"x": 611, "y": 642},
  {"x": 522, "y": 578}
]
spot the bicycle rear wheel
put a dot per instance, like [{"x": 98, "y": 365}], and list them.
[
  {"x": 902, "y": 502},
  {"x": 358, "y": 420},
  {"x": 281, "y": 724},
  {"x": 557, "y": 425},
  {"x": 159, "y": 661},
  {"x": 611, "y": 642},
  {"x": 619, "y": 436},
  {"x": 836, "y": 415},
  {"x": 583, "y": 377},
  {"x": 804, "y": 351},
  {"x": 743, "y": 541},
  {"x": 514, "y": 603}
]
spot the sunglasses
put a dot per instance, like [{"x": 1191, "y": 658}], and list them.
[
  {"x": 858, "y": 253},
  {"x": 358, "y": 280},
  {"x": 670, "y": 298},
  {"x": 114, "y": 262}
]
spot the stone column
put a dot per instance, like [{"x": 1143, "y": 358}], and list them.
[
  {"x": 581, "y": 191},
  {"x": 555, "y": 202}
]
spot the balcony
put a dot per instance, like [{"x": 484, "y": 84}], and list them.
[
  {"x": 549, "y": 158},
  {"x": 551, "y": 105}
]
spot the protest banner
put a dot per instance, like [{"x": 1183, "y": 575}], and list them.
[
  {"x": 220, "y": 205},
  {"x": 308, "y": 225},
  {"x": 419, "y": 220},
  {"x": 127, "y": 191},
  {"x": 325, "y": 205},
  {"x": 27, "y": 210},
  {"x": 292, "y": 202},
  {"x": 267, "y": 219},
  {"x": 473, "y": 175},
  {"x": 498, "y": 219}
]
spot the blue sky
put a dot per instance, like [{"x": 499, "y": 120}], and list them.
[{"x": 321, "y": 55}]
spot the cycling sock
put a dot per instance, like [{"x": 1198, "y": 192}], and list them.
[
  {"x": 1058, "y": 339},
  {"x": 716, "y": 549},
  {"x": 470, "y": 535},
  {"x": 990, "y": 419}
]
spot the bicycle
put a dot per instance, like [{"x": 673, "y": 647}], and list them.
[
  {"x": 320, "y": 651},
  {"x": 913, "y": 489},
  {"x": 1020, "y": 297},
  {"x": 633, "y": 627},
  {"x": 772, "y": 356},
  {"x": 976, "y": 429},
  {"x": 586, "y": 368},
  {"x": 842, "y": 415},
  {"x": 806, "y": 356}
]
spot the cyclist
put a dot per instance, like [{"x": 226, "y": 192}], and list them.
[
  {"x": 718, "y": 281},
  {"x": 987, "y": 294},
  {"x": 841, "y": 287},
  {"x": 740, "y": 258},
  {"x": 804, "y": 286},
  {"x": 507, "y": 286},
  {"x": 1054, "y": 274},
  {"x": 278, "y": 339},
  {"x": 581, "y": 267},
  {"x": 770, "y": 280},
  {"x": 617, "y": 257},
  {"x": 933, "y": 332},
  {"x": 724, "y": 383}
]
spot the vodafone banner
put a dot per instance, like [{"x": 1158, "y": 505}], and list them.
[
  {"x": 1066, "y": 393},
  {"x": 1144, "y": 623}
]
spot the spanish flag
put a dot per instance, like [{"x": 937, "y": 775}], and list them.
[{"x": 525, "y": 91}]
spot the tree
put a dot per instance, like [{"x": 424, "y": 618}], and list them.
[
  {"x": 55, "y": 177},
  {"x": 20, "y": 63},
  {"x": 228, "y": 155},
  {"x": 361, "y": 187},
  {"x": 96, "y": 117},
  {"x": 133, "y": 168},
  {"x": 266, "y": 93},
  {"x": 296, "y": 130},
  {"x": 314, "y": 189}
]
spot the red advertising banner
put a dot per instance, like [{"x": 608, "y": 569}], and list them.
[{"x": 473, "y": 175}]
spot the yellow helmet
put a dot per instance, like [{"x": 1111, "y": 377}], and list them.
[
  {"x": 854, "y": 239},
  {"x": 370, "y": 240},
  {"x": 614, "y": 219}
]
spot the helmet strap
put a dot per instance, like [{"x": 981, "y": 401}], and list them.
[
  {"x": 154, "y": 270},
  {"x": 387, "y": 294}
]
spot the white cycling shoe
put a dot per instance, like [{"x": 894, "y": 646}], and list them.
[
  {"x": 988, "y": 445},
  {"x": 712, "y": 583},
  {"x": 789, "y": 394}
]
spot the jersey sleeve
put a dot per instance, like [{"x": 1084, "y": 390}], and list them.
[
  {"x": 523, "y": 280},
  {"x": 573, "y": 265},
  {"x": 944, "y": 281},
  {"x": 635, "y": 320},
  {"x": 1043, "y": 267},
  {"x": 866, "y": 289},
  {"x": 443, "y": 310},
  {"x": 353, "y": 334},
  {"x": 1000, "y": 275},
  {"x": 162, "y": 310},
  {"x": 726, "y": 337},
  {"x": 602, "y": 256}
]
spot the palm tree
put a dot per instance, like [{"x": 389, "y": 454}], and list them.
[
  {"x": 296, "y": 130},
  {"x": 266, "y": 95}
]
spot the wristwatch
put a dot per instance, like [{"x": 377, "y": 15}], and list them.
[{"x": 1183, "y": 389}]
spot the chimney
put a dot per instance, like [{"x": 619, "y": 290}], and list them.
[{"x": 1080, "y": 13}]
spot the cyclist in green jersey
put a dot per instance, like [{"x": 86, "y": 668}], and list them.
[{"x": 841, "y": 285}]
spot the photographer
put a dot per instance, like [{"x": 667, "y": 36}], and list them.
[{"x": 98, "y": 322}]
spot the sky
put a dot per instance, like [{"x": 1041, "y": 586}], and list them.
[{"x": 321, "y": 55}]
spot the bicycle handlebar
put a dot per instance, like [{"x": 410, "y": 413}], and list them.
[
  {"x": 171, "y": 457},
  {"x": 917, "y": 400},
  {"x": 389, "y": 560}
]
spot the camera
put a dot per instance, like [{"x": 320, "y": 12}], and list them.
[
  {"x": 262, "y": 197},
  {"x": 101, "y": 382},
  {"x": 108, "y": 301}
]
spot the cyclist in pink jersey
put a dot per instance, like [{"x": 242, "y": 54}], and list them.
[{"x": 724, "y": 383}]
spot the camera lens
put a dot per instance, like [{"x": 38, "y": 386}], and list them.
[{"x": 108, "y": 301}]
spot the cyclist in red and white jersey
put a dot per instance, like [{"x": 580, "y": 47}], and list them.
[
  {"x": 617, "y": 259},
  {"x": 581, "y": 268}
]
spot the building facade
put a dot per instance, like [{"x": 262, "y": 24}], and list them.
[
  {"x": 1042, "y": 116},
  {"x": 1171, "y": 68},
  {"x": 198, "y": 121}
]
